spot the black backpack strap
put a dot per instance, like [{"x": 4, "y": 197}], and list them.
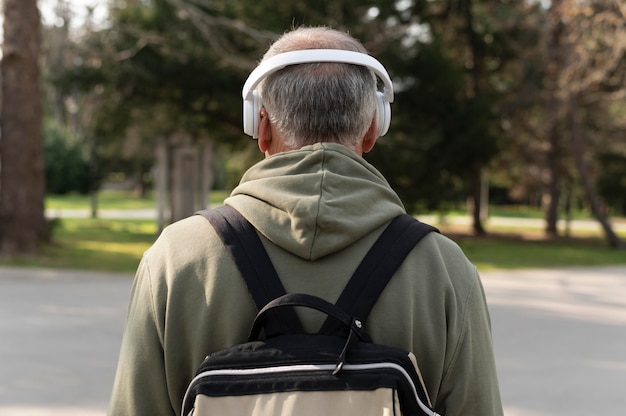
[
  {"x": 245, "y": 247},
  {"x": 377, "y": 268}
]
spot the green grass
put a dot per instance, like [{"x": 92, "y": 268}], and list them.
[
  {"x": 509, "y": 211},
  {"x": 500, "y": 252},
  {"x": 122, "y": 200},
  {"x": 105, "y": 200},
  {"x": 522, "y": 211},
  {"x": 93, "y": 244},
  {"x": 117, "y": 245},
  {"x": 98, "y": 244}
]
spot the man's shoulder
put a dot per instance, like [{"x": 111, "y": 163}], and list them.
[
  {"x": 441, "y": 258},
  {"x": 191, "y": 237},
  {"x": 192, "y": 227}
]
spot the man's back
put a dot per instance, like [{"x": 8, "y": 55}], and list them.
[{"x": 317, "y": 210}]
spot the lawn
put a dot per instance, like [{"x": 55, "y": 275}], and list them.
[
  {"x": 117, "y": 245},
  {"x": 94, "y": 244},
  {"x": 119, "y": 200},
  {"x": 501, "y": 251}
]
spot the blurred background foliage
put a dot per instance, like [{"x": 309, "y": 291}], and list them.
[{"x": 524, "y": 101}]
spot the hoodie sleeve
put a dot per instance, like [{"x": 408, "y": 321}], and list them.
[
  {"x": 140, "y": 386},
  {"x": 470, "y": 383}
]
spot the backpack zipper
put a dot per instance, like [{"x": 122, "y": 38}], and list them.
[{"x": 306, "y": 368}]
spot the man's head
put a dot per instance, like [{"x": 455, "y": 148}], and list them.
[{"x": 321, "y": 101}]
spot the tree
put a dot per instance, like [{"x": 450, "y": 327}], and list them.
[
  {"x": 450, "y": 69},
  {"x": 439, "y": 134},
  {"x": 594, "y": 75},
  {"x": 22, "y": 184},
  {"x": 152, "y": 64},
  {"x": 474, "y": 79},
  {"x": 571, "y": 71}
]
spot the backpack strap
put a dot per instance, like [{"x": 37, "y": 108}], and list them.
[
  {"x": 359, "y": 295},
  {"x": 245, "y": 247},
  {"x": 377, "y": 268}
]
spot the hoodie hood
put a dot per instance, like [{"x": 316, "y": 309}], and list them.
[{"x": 316, "y": 200}]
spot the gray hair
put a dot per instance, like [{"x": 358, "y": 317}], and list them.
[{"x": 319, "y": 102}]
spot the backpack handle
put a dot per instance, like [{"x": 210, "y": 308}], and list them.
[{"x": 313, "y": 302}]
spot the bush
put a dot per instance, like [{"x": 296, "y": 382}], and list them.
[
  {"x": 66, "y": 166},
  {"x": 612, "y": 181}
]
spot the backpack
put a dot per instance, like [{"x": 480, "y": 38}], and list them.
[{"x": 338, "y": 371}]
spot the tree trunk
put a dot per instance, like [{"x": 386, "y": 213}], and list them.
[
  {"x": 552, "y": 193},
  {"x": 94, "y": 183},
  {"x": 206, "y": 173},
  {"x": 162, "y": 181},
  {"x": 185, "y": 182},
  {"x": 555, "y": 64},
  {"x": 478, "y": 192},
  {"x": 22, "y": 184},
  {"x": 578, "y": 148},
  {"x": 476, "y": 65}
]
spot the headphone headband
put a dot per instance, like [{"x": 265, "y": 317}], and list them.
[
  {"x": 280, "y": 61},
  {"x": 252, "y": 102}
]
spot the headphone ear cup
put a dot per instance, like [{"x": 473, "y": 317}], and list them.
[
  {"x": 383, "y": 114},
  {"x": 251, "y": 115}
]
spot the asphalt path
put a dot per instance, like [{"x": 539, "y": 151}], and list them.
[{"x": 559, "y": 337}]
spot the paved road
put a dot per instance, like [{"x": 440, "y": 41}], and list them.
[
  {"x": 560, "y": 339},
  {"x": 59, "y": 339}
]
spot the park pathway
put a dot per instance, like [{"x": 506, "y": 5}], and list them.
[{"x": 559, "y": 335}]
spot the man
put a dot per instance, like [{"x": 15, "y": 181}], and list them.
[{"x": 318, "y": 207}]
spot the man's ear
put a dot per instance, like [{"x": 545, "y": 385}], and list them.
[
  {"x": 265, "y": 132},
  {"x": 369, "y": 140}
]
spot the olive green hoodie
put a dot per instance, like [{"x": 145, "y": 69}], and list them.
[{"x": 318, "y": 210}]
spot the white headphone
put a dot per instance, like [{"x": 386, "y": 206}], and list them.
[{"x": 252, "y": 101}]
